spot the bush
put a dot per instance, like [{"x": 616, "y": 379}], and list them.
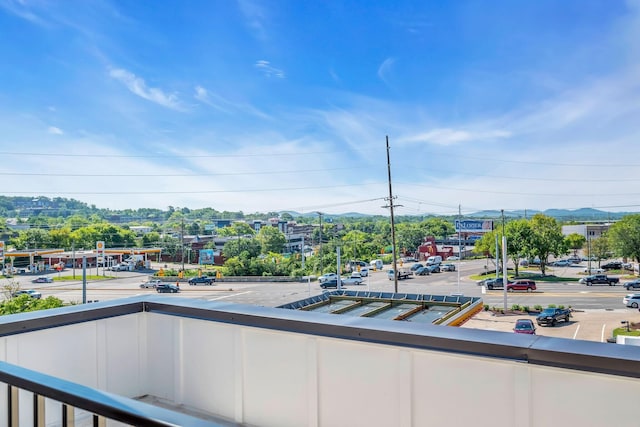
[
  {"x": 537, "y": 307},
  {"x": 525, "y": 308},
  {"x": 551, "y": 306},
  {"x": 561, "y": 306},
  {"x": 515, "y": 307},
  {"x": 486, "y": 307}
]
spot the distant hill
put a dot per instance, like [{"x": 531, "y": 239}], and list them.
[{"x": 582, "y": 214}]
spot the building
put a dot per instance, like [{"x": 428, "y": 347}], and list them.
[
  {"x": 589, "y": 231},
  {"x": 158, "y": 361}
]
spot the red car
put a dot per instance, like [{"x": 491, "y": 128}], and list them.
[
  {"x": 524, "y": 326},
  {"x": 522, "y": 285}
]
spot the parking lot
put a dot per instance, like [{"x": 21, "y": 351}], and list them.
[
  {"x": 598, "y": 309},
  {"x": 589, "y": 325}
]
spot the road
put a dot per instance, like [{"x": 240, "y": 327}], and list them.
[
  {"x": 599, "y": 309},
  {"x": 126, "y": 284}
]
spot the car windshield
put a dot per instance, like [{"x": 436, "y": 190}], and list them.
[
  {"x": 524, "y": 325},
  {"x": 549, "y": 311}
]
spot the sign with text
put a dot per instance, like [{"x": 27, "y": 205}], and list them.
[
  {"x": 1, "y": 251},
  {"x": 473, "y": 226},
  {"x": 100, "y": 251}
]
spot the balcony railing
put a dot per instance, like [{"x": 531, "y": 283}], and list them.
[{"x": 98, "y": 406}]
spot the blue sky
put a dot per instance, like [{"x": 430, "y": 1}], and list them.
[{"x": 260, "y": 106}]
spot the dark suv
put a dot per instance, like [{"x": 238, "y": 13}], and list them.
[
  {"x": 203, "y": 280},
  {"x": 167, "y": 288},
  {"x": 613, "y": 265}
]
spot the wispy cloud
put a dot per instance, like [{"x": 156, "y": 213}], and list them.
[
  {"x": 55, "y": 130},
  {"x": 385, "y": 69},
  {"x": 447, "y": 136},
  {"x": 334, "y": 75},
  {"x": 269, "y": 70},
  {"x": 210, "y": 99},
  {"x": 138, "y": 86},
  {"x": 22, "y": 10},
  {"x": 255, "y": 17}
]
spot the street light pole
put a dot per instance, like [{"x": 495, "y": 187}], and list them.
[{"x": 504, "y": 262}]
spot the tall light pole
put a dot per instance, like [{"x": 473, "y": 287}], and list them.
[
  {"x": 459, "y": 245},
  {"x": 320, "y": 250},
  {"x": 504, "y": 263}
]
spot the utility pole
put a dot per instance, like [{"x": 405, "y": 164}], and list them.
[
  {"x": 320, "y": 250},
  {"x": 182, "y": 242},
  {"x": 393, "y": 226},
  {"x": 459, "y": 244},
  {"x": 504, "y": 263}
]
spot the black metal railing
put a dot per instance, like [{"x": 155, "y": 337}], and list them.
[{"x": 101, "y": 406}]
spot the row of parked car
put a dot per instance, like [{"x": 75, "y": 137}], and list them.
[{"x": 512, "y": 285}]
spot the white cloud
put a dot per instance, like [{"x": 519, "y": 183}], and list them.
[
  {"x": 138, "y": 86},
  {"x": 447, "y": 136},
  {"x": 385, "y": 69},
  {"x": 255, "y": 17},
  {"x": 269, "y": 70},
  {"x": 55, "y": 131}
]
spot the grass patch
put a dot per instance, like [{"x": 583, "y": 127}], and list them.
[{"x": 623, "y": 331}]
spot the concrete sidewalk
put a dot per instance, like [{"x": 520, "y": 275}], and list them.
[{"x": 588, "y": 325}]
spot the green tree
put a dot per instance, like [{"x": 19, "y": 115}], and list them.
[
  {"x": 547, "y": 239},
  {"x": 600, "y": 248},
  {"x": 409, "y": 236},
  {"x": 575, "y": 242},
  {"x": 519, "y": 240},
  {"x": 624, "y": 237},
  {"x": 438, "y": 227},
  {"x": 236, "y": 247},
  {"x": 271, "y": 239}
]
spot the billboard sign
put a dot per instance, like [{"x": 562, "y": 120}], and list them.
[
  {"x": 206, "y": 256},
  {"x": 1, "y": 251},
  {"x": 473, "y": 226}
]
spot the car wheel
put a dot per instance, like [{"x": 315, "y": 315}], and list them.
[
  {"x": 490, "y": 287},
  {"x": 566, "y": 319},
  {"x": 634, "y": 305},
  {"x": 553, "y": 322}
]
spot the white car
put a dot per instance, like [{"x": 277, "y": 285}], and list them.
[
  {"x": 453, "y": 258},
  {"x": 631, "y": 300},
  {"x": 593, "y": 270},
  {"x": 326, "y": 277},
  {"x": 364, "y": 271}
]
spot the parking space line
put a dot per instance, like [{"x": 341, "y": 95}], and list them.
[
  {"x": 602, "y": 333},
  {"x": 576, "y": 333},
  {"x": 232, "y": 295}
]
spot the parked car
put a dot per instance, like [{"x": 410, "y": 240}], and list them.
[
  {"x": 167, "y": 288},
  {"x": 151, "y": 283},
  {"x": 422, "y": 271},
  {"x": 631, "y": 300},
  {"x": 593, "y": 270},
  {"x": 561, "y": 263},
  {"x": 521, "y": 285},
  {"x": 43, "y": 279},
  {"x": 448, "y": 267},
  {"x": 613, "y": 265},
  {"x": 32, "y": 293},
  {"x": 326, "y": 277},
  {"x": 551, "y": 316},
  {"x": 364, "y": 271},
  {"x": 633, "y": 284},
  {"x": 354, "y": 279},
  {"x": 574, "y": 260},
  {"x": 416, "y": 266},
  {"x": 453, "y": 258},
  {"x": 202, "y": 280},
  {"x": 524, "y": 326},
  {"x": 329, "y": 283}
]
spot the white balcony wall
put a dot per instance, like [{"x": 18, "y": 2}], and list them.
[{"x": 267, "y": 377}]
